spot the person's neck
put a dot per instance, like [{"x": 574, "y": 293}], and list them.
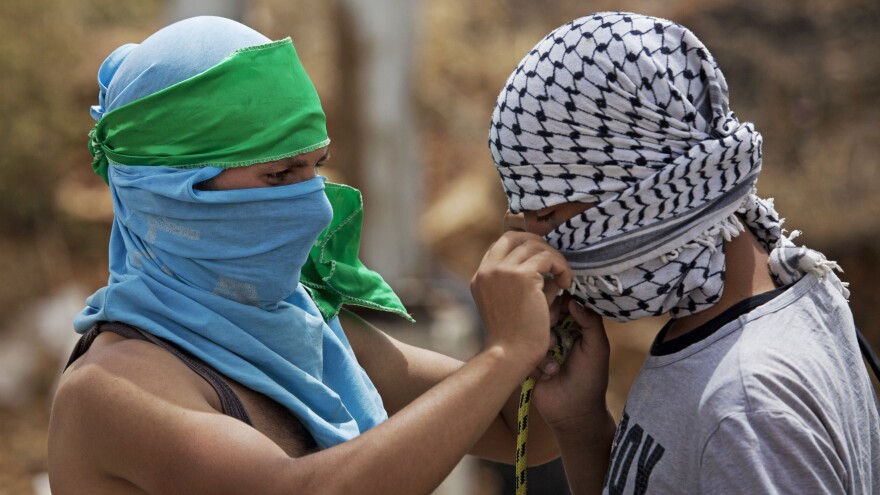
[{"x": 746, "y": 275}]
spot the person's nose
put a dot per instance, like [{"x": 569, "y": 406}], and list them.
[
  {"x": 514, "y": 221},
  {"x": 306, "y": 174}
]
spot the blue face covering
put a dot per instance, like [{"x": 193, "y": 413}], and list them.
[{"x": 216, "y": 273}]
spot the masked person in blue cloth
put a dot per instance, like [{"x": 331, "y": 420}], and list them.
[
  {"x": 614, "y": 141},
  {"x": 217, "y": 358}
]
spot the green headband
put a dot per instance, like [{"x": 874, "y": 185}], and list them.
[{"x": 257, "y": 105}]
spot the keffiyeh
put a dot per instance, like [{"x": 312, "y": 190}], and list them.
[{"x": 631, "y": 113}]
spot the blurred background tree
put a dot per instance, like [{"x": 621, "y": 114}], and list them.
[{"x": 805, "y": 71}]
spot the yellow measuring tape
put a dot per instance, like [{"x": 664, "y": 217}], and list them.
[{"x": 564, "y": 341}]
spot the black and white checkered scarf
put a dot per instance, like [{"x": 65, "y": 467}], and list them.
[{"x": 631, "y": 113}]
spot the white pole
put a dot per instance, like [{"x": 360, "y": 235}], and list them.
[{"x": 390, "y": 165}]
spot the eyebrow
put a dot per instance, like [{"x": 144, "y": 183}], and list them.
[
  {"x": 325, "y": 156},
  {"x": 298, "y": 161}
]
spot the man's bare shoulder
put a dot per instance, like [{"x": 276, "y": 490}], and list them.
[
  {"x": 129, "y": 410},
  {"x": 114, "y": 368}
]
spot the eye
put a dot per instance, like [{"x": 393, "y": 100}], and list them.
[
  {"x": 544, "y": 218},
  {"x": 278, "y": 176}
]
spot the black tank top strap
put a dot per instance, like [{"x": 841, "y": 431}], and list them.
[
  {"x": 229, "y": 401},
  {"x": 82, "y": 345}
]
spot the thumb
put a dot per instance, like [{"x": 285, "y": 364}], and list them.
[{"x": 592, "y": 329}]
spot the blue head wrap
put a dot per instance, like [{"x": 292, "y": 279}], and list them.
[{"x": 216, "y": 272}]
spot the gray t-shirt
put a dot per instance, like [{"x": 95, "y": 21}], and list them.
[{"x": 778, "y": 400}]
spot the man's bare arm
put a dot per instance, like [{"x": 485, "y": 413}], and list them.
[
  {"x": 402, "y": 372},
  {"x": 136, "y": 424},
  {"x": 129, "y": 429}
]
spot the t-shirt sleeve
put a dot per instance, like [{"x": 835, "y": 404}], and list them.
[{"x": 769, "y": 452}]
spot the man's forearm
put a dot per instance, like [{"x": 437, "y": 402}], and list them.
[
  {"x": 416, "y": 448},
  {"x": 403, "y": 372},
  {"x": 585, "y": 452}
]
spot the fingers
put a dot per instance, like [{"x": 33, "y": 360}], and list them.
[
  {"x": 549, "y": 367},
  {"x": 583, "y": 316},
  {"x": 591, "y": 335},
  {"x": 551, "y": 263},
  {"x": 514, "y": 222},
  {"x": 509, "y": 241},
  {"x": 592, "y": 328},
  {"x": 556, "y": 309},
  {"x": 550, "y": 291},
  {"x": 528, "y": 245},
  {"x": 518, "y": 247},
  {"x": 532, "y": 253},
  {"x": 517, "y": 279}
]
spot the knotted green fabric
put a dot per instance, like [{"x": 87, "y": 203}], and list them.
[
  {"x": 257, "y": 105},
  {"x": 334, "y": 275}
]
